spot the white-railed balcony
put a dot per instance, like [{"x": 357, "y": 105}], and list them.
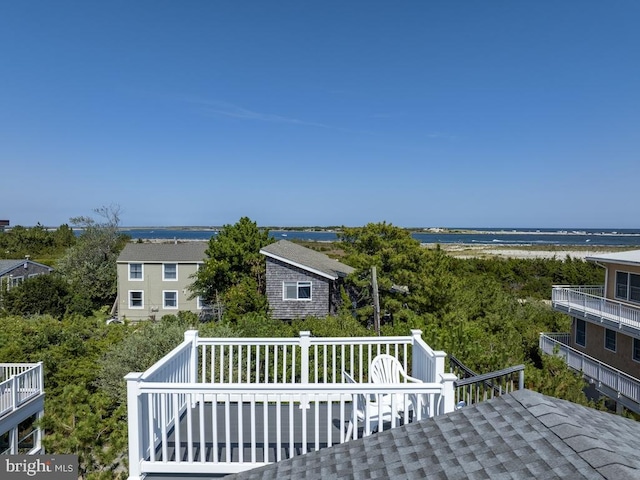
[
  {"x": 612, "y": 382},
  {"x": 589, "y": 303},
  {"x": 21, "y": 403},
  {"x": 225, "y": 405}
]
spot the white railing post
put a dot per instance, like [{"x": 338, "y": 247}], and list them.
[
  {"x": 521, "y": 380},
  {"x": 14, "y": 392},
  {"x": 440, "y": 367},
  {"x": 135, "y": 425},
  {"x": 416, "y": 336},
  {"x": 192, "y": 336},
  {"x": 305, "y": 343},
  {"x": 448, "y": 392},
  {"x": 13, "y": 441},
  {"x": 40, "y": 377}
]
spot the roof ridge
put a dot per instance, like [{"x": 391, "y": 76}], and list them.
[{"x": 577, "y": 437}]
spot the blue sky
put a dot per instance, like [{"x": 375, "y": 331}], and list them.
[{"x": 417, "y": 113}]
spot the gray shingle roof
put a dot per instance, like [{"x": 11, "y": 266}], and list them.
[
  {"x": 523, "y": 435},
  {"x": 163, "y": 252},
  {"x": 8, "y": 265},
  {"x": 306, "y": 258},
  {"x": 630, "y": 257}
]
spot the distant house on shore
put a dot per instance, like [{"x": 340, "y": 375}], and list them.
[
  {"x": 301, "y": 282},
  {"x": 3, "y": 225},
  {"x": 154, "y": 279},
  {"x": 14, "y": 272}
]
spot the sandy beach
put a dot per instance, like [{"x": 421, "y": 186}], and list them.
[{"x": 467, "y": 251}]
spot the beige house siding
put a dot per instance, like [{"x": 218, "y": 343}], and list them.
[
  {"x": 612, "y": 268},
  {"x": 622, "y": 358},
  {"x": 153, "y": 287}
]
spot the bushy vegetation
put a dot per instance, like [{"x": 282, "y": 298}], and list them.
[
  {"x": 41, "y": 244},
  {"x": 486, "y": 312}
]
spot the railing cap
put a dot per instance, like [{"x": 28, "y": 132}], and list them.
[{"x": 191, "y": 335}]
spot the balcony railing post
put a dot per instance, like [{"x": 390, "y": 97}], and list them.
[
  {"x": 135, "y": 425},
  {"x": 418, "y": 360},
  {"x": 14, "y": 392},
  {"x": 305, "y": 343},
  {"x": 448, "y": 392},
  {"x": 40, "y": 377},
  {"x": 521, "y": 380},
  {"x": 440, "y": 360},
  {"x": 192, "y": 336}
]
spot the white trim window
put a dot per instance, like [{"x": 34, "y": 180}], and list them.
[
  {"x": 170, "y": 272},
  {"x": 610, "y": 339},
  {"x": 136, "y": 299},
  {"x": 628, "y": 286},
  {"x": 170, "y": 299},
  {"x": 296, "y": 291},
  {"x": 581, "y": 332},
  {"x": 15, "y": 281},
  {"x": 136, "y": 271}
]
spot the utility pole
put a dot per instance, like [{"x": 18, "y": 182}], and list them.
[{"x": 376, "y": 301}]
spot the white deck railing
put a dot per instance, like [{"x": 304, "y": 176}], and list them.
[
  {"x": 617, "y": 380},
  {"x": 589, "y": 301},
  {"x": 209, "y": 389},
  {"x": 19, "y": 383}
]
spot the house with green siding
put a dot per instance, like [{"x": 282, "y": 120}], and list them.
[{"x": 154, "y": 279}]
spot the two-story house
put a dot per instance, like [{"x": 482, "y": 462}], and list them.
[
  {"x": 154, "y": 279},
  {"x": 604, "y": 341}
]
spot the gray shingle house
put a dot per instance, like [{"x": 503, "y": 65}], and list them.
[
  {"x": 154, "y": 279},
  {"x": 301, "y": 282},
  {"x": 522, "y": 435},
  {"x": 14, "y": 272}
]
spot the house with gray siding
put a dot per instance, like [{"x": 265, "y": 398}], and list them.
[
  {"x": 14, "y": 272},
  {"x": 154, "y": 279},
  {"x": 301, "y": 282}
]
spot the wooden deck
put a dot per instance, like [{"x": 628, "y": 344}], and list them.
[
  {"x": 238, "y": 443},
  {"x": 237, "y": 446}
]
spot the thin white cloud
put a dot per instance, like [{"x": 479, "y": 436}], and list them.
[
  {"x": 445, "y": 136},
  {"x": 235, "y": 111},
  {"x": 226, "y": 109}
]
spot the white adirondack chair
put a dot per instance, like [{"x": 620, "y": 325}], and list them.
[
  {"x": 366, "y": 410},
  {"x": 388, "y": 369}
]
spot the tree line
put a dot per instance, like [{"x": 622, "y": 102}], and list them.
[{"x": 486, "y": 312}]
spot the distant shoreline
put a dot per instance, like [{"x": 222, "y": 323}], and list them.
[{"x": 440, "y": 231}]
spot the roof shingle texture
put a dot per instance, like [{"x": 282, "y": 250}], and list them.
[
  {"x": 523, "y": 435},
  {"x": 164, "y": 252},
  {"x": 291, "y": 252},
  {"x": 6, "y": 265}
]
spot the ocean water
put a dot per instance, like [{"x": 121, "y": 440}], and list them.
[{"x": 485, "y": 236}]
